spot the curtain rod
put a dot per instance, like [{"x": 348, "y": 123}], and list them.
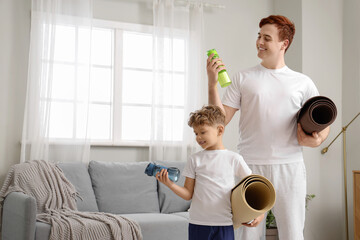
[{"x": 205, "y": 4}]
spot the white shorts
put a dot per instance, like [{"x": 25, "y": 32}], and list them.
[{"x": 289, "y": 181}]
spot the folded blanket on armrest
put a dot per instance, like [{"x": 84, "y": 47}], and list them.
[{"x": 56, "y": 205}]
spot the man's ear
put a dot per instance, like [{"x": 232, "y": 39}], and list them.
[
  {"x": 285, "y": 44},
  {"x": 221, "y": 129}
]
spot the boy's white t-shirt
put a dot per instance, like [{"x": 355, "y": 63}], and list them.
[
  {"x": 214, "y": 172},
  {"x": 269, "y": 100}
]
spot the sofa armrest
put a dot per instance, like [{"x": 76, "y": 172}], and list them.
[{"x": 18, "y": 217}]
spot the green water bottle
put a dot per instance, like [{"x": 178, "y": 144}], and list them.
[{"x": 223, "y": 77}]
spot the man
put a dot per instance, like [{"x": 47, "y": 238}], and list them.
[{"x": 268, "y": 96}]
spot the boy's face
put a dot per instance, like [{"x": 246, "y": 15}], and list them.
[
  {"x": 208, "y": 136},
  {"x": 268, "y": 43}
]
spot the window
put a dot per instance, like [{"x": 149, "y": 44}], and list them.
[
  {"x": 122, "y": 80},
  {"x": 70, "y": 90}
]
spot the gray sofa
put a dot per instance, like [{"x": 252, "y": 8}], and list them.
[{"x": 118, "y": 188}]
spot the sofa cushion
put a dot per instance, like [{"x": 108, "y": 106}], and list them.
[
  {"x": 169, "y": 201},
  {"x": 154, "y": 226},
  {"x": 78, "y": 175},
  {"x": 42, "y": 231},
  {"x": 182, "y": 214},
  {"x": 123, "y": 187},
  {"x": 158, "y": 226}
]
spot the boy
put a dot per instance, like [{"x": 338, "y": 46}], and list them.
[{"x": 209, "y": 178}]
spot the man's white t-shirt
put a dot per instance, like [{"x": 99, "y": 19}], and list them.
[
  {"x": 269, "y": 100},
  {"x": 214, "y": 172}
]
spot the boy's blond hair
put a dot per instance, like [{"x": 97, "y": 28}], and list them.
[{"x": 210, "y": 115}]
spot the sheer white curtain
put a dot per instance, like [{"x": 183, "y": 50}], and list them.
[
  {"x": 57, "y": 102},
  {"x": 177, "y": 78}
]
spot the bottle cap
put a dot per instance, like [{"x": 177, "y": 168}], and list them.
[
  {"x": 149, "y": 169},
  {"x": 212, "y": 51}
]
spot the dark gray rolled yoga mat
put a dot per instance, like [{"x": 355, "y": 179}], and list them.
[{"x": 316, "y": 114}]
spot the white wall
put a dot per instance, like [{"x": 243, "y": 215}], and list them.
[
  {"x": 351, "y": 94},
  {"x": 131, "y": 11},
  {"x": 322, "y": 61},
  {"x": 14, "y": 48},
  {"x": 292, "y": 9}
]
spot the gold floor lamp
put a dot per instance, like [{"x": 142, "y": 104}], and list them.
[{"x": 324, "y": 150}]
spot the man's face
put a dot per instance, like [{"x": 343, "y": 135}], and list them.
[{"x": 268, "y": 44}]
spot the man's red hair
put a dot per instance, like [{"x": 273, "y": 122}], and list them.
[{"x": 285, "y": 27}]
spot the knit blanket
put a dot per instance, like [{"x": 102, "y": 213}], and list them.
[{"x": 56, "y": 205}]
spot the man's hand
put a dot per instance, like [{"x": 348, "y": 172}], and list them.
[
  {"x": 213, "y": 67},
  {"x": 313, "y": 140},
  {"x": 255, "y": 222}
]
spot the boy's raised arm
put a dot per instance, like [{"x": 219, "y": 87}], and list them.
[{"x": 184, "y": 192}]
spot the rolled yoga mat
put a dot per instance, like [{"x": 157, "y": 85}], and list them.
[
  {"x": 316, "y": 114},
  {"x": 253, "y": 196}
]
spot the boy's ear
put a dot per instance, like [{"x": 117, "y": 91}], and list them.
[{"x": 221, "y": 129}]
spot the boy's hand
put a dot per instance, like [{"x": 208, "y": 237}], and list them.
[
  {"x": 163, "y": 177},
  {"x": 255, "y": 222}
]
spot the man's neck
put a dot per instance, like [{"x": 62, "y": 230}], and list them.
[{"x": 270, "y": 64}]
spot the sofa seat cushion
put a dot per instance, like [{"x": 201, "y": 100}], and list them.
[
  {"x": 154, "y": 226},
  {"x": 122, "y": 188},
  {"x": 42, "y": 231},
  {"x": 78, "y": 175},
  {"x": 169, "y": 201},
  {"x": 182, "y": 214},
  {"x": 158, "y": 226}
]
